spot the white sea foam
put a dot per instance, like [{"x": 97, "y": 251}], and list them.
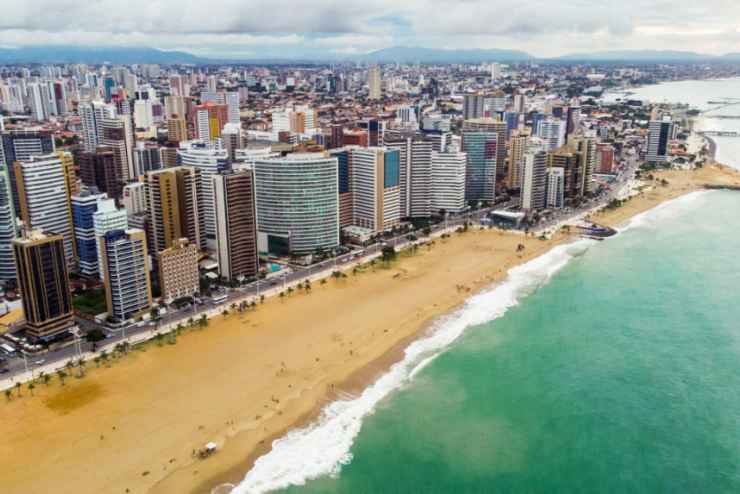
[
  {"x": 660, "y": 213},
  {"x": 323, "y": 447}
]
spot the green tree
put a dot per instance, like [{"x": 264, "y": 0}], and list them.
[
  {"x": 8, "y": 394},
  {"x": 31, "y": 387}
]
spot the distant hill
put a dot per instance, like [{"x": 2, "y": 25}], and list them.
[
  {"x": 638, "y": 56},
  {"x": 94, "y": 55},
  {"x": 403, "y": 54}
]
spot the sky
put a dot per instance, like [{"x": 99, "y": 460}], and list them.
[{"x": 301, "y": 28}]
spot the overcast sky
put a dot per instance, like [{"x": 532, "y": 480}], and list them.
[{"x": 256, "y": 28}]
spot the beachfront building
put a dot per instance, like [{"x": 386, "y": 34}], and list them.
[
  {"x": 236, "y": 225},
  {"x": 8, "y": 227},
  {"x": 376, "y": 188},
  {"x": 555, "y": 188},
  {"x": 43, "y": 282},
  {"x": 534, "y": 179},
  {"x": 659, "y": 133},
  {"x": 518, "y": 145},
  {"x": 173, "y": 203},
  {"x": 106, "y": 218},
  {"x": 210, "y": 159},
  {"x": 448, "y": 182},
  {"x": 84, "y": 206},
  {"x": 178, "y": 270},
  {"x": 44, "y": 197},
  {"x": 297, "y": 203},
  {"x": 415, "y": 174},
  {"x": 499, "y": 128},
  {"x": 480, "y": 175},
  {"x": 126, "y": 266},
  {"x": 344, "y": 171}
]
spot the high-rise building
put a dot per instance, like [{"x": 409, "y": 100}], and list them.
[
  {"x": 231, "y": 98},
  {"x": 585, "y": 148},
  {"x": 84, "y": 206},
  {"x": 177, "y": 129},
  {"x": 297, "y": 203},
  {"x": 448, "y": 181},
  {"x": 20, "y": 145},
  {"x": 552, "y": 131},
  {"x": 374, "y": 83},
  {"x": 344, "y": 169},
  {"x": 126, "y": 273},
  {"x": 106, "y": 218},
  {"x": 659, "y": 133},
  {"x": 604, "y": 158},
  {"x": 8, "y": 227},
  {"x": 178, "y": 270},
  {"x": 231, "y": 136},
  {"x": 481, "y": 150},
  {"x": 534, "y": 181},
  {"x": 134, "y": 198},
  {"x": 518, "y": 146},
  {"x": 117, "y": 133},
  {"x": 44, "y": 196},
  {"x": 92, "y": 115},
  {"x": 555, "y": 194},
  {"x": 499, "y": 127},
  {"x": 473, "y": 106},
  {"x": 43, "y": 282},
  {"x": 210, "y": 158},
  {"x": 415, "y": 174},
  {"x": 376, "y": 188},
  {"x": 208, "y": 120},
  {"x": 173, "y": 203},
  {"x": 99, "y": 169},
  {"x": 236, "y": 225},
  {"x": 147, "y": 157}
]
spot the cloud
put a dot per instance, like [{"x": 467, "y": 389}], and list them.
[{"x": 543, "y": 27}]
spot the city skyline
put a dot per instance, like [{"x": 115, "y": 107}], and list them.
[{"x": 257, "y": 29}]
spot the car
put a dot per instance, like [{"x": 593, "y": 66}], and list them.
[
  {"x": 4, "y": 370},
  {"x": 40, "y": 361}
]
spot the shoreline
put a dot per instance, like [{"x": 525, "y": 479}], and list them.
[{"x": 230, "y": 364}]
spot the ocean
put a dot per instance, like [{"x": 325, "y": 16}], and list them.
[{"x": 598, "y": 367}]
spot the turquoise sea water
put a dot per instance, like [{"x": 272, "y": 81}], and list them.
[
  {"x": 622, "y": 374},
  {"x": 619, "y": 374},
  {"x": 600, "y": 367}
]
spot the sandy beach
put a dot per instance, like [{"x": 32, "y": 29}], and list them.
[{"x": 132, "y": 425}]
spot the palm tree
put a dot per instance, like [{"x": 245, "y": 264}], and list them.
[
  {"x": 323, "y": 281},
  {"x": 31, "y": 386},
  {"x": 190, "y": 321},
  {"x": 282, "y": 295},
  {"x": 179, "y": 328},
  {"x": 233, "y": 306},
  {"x": 97, "y": 361},
  {"x": 262, "y": 299},
  {"x": 225, "y": 313},
  {"x": 8, "y": 394},
  {"x": 62, "y": 375},
  {"x": 81, "y": 367},
  {"x": 290, "y": 290},
  {"x": 203, "y": 321},
  {"x": 157, "y": 338},
  {"x": 18, "y": 389},
  {"x": 46, "y": 378}
]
